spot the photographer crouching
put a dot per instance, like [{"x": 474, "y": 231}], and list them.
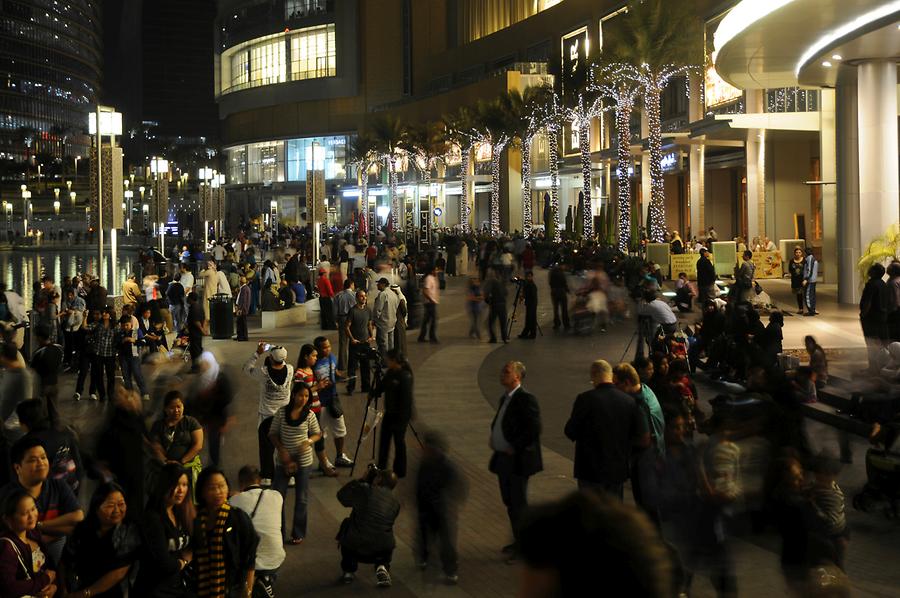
[{"x": 367, "y": 535}]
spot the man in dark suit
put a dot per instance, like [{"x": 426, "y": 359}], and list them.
[
  {"x": 605, "y": 424},
  {"x": 706, "y": 278},
  {"x": 516, "y": 441}
]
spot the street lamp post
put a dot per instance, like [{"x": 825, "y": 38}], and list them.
[
  {"x": 72, "y": 198},
  {"x": 220, "y": 205},
  {"x": 129, "y": 196},
  {"x": 7, "y": 209},
  {"x": 104, "y": 121},
  {"x": 159, "y": 168},
  {"x": 206, "y": 176},
  {"x": 26, "y": 200}
]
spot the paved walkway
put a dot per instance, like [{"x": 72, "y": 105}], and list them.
[{"x": 457, "y": 389}]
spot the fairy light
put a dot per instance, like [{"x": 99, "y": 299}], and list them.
[
  {"x": 464, "y": 199},
  {"x": 395, "y": 201},
  {"x": 553, "y": 141},
  {"x": 526, "y": 184},
  {"x": 584, "y": 145},
  {"x": 497, "y": 147}
]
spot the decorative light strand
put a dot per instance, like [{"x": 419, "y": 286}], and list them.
[
  {"x": 464, "y": 210},
  {"x": 624, "y": 108},
  {"x": 584, "y": 145},
  {"x": 395, "y": 201},
  {"x": 553, "y": 142},
  {"x": 526, "y": 185}
]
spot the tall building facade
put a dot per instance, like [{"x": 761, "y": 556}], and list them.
[{"x": 50, "y": 65}]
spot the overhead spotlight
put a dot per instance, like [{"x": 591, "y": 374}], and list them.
[
  {"x": 837, "y": 57},
  {"x": 826, "y": 64}
]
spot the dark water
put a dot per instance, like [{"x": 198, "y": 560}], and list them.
[{"x": 20, "y": 269}]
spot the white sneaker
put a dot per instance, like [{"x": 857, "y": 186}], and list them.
[
  {"x": 146, "y": 397},
  {"x": 451, "y": 580},
  {"x": 383, "y": 577},
  {"x": 77, "y": 396},
  {"x": 266, "y": 482},
  {"x": 347, "y": 577},
  {"x": 292, "y": 482},
  {"x": 94, "y": 397}
]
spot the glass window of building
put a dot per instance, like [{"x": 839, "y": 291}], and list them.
[
  {"x": 330, "y": 154},
  {"x": 240, "y": 71},
  {"x": 313, "y": 53},
  {"x": 265, "y": 162},
  {"x": 268, "y": 63},
  {"x": 237, "y": 165}
]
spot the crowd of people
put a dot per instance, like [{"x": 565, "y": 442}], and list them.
[{"x": 163, "y": 520}]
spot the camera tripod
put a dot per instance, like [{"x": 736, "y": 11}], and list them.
[
  {"x": 512, "y": 318},
  {"x": 372, "y": 401},
  {"x": 644, "y": 335}
]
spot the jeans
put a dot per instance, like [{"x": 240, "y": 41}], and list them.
[
  {"x": 498, "y": 313},
  {"x": 178, "y": 316},
  {"x": 131, "y": 368},
  {"x": 429, "y": 322},
  {"x": 396, "y": 432},
  {"x": 359, "y": 358},
  {"x": 85, "y": 360},
  {"x": 97, "y": 368},
  {"x": 266, "y": 450},
  {"x": 301, "y": 499},
  {"x": 810, "y": 295}
]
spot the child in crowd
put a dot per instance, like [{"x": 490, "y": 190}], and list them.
[{"x": 829, "y": 521}]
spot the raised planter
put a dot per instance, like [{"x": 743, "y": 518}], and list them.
[{"x": 284, "y": 317}]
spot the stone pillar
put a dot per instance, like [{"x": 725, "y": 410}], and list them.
[
  {"x": 847, "y": 152},
  {"x": 511, "y": 171},
  {"x": 696, "y": 197},
  {"x": 755, "y": 148},
  {"x": 878, "y": 178},
  {"x": 828, "y": 174}
]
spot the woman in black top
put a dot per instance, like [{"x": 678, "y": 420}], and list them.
[
  {"x": 176, "y": 437},
  {"x": 795, "y": 267},
  {"x": 397, "y": 386},
  {"x": 99, "y": 554},
  {"x": 166, "y": 533}
]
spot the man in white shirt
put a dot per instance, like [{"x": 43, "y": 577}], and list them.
[
  {"x": 385, "y": 315},
  {"x": 218, "y": 252},
  {"x": 264, "y": 508},
  {"x": 187, "y": 279},
  {"x": 659, "y": 312}
]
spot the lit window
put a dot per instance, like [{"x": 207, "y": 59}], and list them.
[
  {"x": 267, "y": 63},
  {"x": 313, "y": 53}
]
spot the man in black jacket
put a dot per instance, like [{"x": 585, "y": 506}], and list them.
[
  {"x": 367, "y": 536},
  {"x": 397, "y": 386},
  {"x": 530, "y": 298},
  {"x": 706, "y": 278},
  {"x": 605, "y": 424},
  {"x": 559, "y": 295},
  {"x": 516, "y": 441}
]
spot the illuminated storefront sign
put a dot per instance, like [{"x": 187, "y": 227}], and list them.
[
  {"x": 717, "y": 90},
  {"x": 575, "y": 47}
]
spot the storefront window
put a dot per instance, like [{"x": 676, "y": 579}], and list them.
[
  {"x": 313, "y": 53},
  {"x": 265, "y": 162},
  {"x": 330, "y": 155},
  {"x": 236, "y": 165},
  {"x": 240, "y": 71}
]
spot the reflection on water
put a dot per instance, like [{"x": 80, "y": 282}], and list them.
[{"x": 21, "y": 269}]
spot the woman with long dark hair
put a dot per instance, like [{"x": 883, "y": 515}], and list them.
[
  {"x": 166, "y": 533},
  {"x": 224, "y": 541},
  {"x": 24, "y": 568},
  {"x": 305, "y": 373},
  {"x": 176, "y": 437},
  {"x": 294, "y": 430},
  {"x": 397, "y": 386},
  {"x": 99, "y": 554}
]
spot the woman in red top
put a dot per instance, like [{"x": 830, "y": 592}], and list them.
[
  {"x": 304, "y": 373},
  {"x": 326, "y": 306}
]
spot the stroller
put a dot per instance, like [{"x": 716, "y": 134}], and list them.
[
  {"x": 882, "y": 475},
  {"x": 582, "y": 316}
]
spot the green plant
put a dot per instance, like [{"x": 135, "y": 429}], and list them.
[{"x": 880, "y": 250}]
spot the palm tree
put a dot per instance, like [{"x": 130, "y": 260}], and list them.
[
  {"x": 498, "y": 129},
  {"x": 363, "y": 153},
  {"x": 549, "y": 113},
  {"x": 582, "y": 106},
  {"x": 389, "y": 134},
  {"x": 619, "y": 84},
  {"x": 524, "y": 109},
  {"x": 660, "y": 40},
  {"x": 461, "y": 131}
]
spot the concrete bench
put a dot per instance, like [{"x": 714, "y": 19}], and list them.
[{"x": 284, "y": 317}]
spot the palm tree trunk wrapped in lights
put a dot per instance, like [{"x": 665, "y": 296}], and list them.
[
  {"x": 364, "y": 200},
  {"x": 656, "y": 214},
  {"x": 464, "y": 208},
  {"x": 526, "y": 187},
  {"x": 584, "y": 145},
  {"x": 553, "y": 143},
  {"x": 623, "y": 151},
  {"x": 395, "y": 201},
  {"x": 496, "y": 152}
]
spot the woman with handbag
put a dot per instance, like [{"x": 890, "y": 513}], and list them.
[
  {"x": 294, "y": 430},
  {"x": 24, "y": 569},
  {"x": 166, "y": 534},
  {"x": 178, "y": 438}
]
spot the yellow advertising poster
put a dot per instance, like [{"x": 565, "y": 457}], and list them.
[
  {"x": 685, "y": 262},
  {"x": 768, "y": 264}
]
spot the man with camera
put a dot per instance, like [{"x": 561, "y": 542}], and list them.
[
  {"x": 495, "y": 296},
  {"x": 360, "y": 328},
  {"x": 367, "y": 535},
  {"x": 658, "y": 311}
]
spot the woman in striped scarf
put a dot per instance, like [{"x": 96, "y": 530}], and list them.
[{"x": 224, "y": 541}]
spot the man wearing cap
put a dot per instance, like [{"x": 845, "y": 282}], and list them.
[
  {"x": 275, "y": 377},
  {"x": 706, "y": 278},
  {"x": 385, "y": 316}
]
